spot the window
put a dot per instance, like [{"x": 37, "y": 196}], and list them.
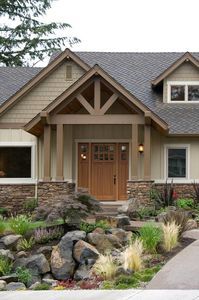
[
  {"x": 176, "y": 162},
  {"x": 183, "y": 91},
  {"x": 15, "y": 162}
]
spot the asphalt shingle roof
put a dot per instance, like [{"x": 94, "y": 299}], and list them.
[{"x": 134, "y": 71}]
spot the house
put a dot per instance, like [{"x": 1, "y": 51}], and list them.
[{"x": 114, "y": 123}]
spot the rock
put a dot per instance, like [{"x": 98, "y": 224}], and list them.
[
  {"x": 62, "y": 262},
  {"x": 160, "y": 217},
  {"x": 34, "y": 285},
  {"x": 122, "y": 271},
  {"x": 82, "y": 252},
  {"x": 15, "y": 286},
  {"x": 82, "y": 273},
  {"x": 191, "y": 224},
  {"x": 37, "y": 263},
  {"x": 2, "y": 285},
  {"x": 122, "y": 221},
  {"x": 2, "y": 246},
  {"x": 9, "y": 278},
  {"x": 98, "y": 230},
  {"x": 50, "y": 282},
  {"x": 10, "y": 241},
  {"x": 130, "y": 206},
  {"x": 122, "y": 235},
  {"x": 76, "y": 235},
  {"x": 35, "y": 278},
  {"x": 123, "y": 209},
  {"x": 191, "y": 234},
  {"x": 45, "y": 250},
  {"x": 103, "y": 242},
  {"x": 47, "y": 276},
  {"x": 7, "y": 254},
  {"x": 21, "y": 254},
  {"x": 41, "y": 213}
]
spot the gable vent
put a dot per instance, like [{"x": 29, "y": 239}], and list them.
[{"x": 69, "y": 72}]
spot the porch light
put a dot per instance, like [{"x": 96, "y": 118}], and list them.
[
  {"x": 141, "y": 148},
  {"x": 83, "y": 156}
]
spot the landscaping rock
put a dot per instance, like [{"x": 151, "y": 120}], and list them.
[
  {"x": 9, "y": 278},
  {"x": 82, "y": 273},
  {"x": 122, "y": 221},
  {"x": 191, "y": 224},
  {"x": 104, "y": 242},
  {"x": 131, "y": 206},
  {"x": 76, "y": 235},
  {"x": 6, "y": 253},
  {"x": 45, "y": 250},
  {"x": 191, "y": 234},
  {"x": 2, "y": 285},
  {"x": 98, "y": 230},
  {"x": 122, "y": 235},
  {"x": 62, "y": 262},
  {"x": 47, "y": 276},
  {"x": 50, "y": 282},
  {"x": 15, "y": 286},
  {"x": 83, "y": 252},
  {"x": 21, "y": 254},
  {"x": 10, "y": 241},
  {"x": 2, "y": 246},
  {"x": 37, "y": 263},
  {"x": 160, "y": 217},
  {"x": 34, "y": 285},
  {"x": 41, "y": 213},
  {"x": 122, "y": 271}
]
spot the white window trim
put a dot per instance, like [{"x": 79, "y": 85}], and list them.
[
  {"x": 186, "y": 84},
  {"x": 177, "y": 146},
  {"x": 31, "y": 179}
]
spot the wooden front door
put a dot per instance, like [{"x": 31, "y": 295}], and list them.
[{"x": 103, "y": 169}]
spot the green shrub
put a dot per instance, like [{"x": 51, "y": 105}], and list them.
[
  {"x": 4, "y": 211},
  {"x": 151, "y": 236},
  {"x": 145, "y": 212},
  {"x": 25, "y": 244},
  {"x": 30, "y": 205},
  {"x": 6, "y": 266},
  {"x": 2, "y": 225},
  {"x": 126, "y": 282},
  {"x": 185, "y": 203},
  {"x": 42, "y": 286},
  {"x": 20, "y": 224},
  {"x": 24, "y": 275},
  {"x": 89, "y": 227},
  {"x": 107, "y": 285}
]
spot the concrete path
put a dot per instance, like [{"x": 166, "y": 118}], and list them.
[
  {"x": 99, "y": 295},
  {"x": 181, "y": 272}
]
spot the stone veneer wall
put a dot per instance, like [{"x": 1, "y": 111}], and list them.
[
  {"x": 13, "y": 196},
  {"x": 182, "y": 190}
]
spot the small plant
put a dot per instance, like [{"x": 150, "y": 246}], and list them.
[
  {"x": 44, "y": 235},
  {"x": 124, "y": 282},
  {"x": 4, "y": 212},
  {"x": 131, "y": 257},
  {"x": 89, "y": 227},
  {"x": 179, "y": 217},
  {"x": 30, "y": 205},
  {"x": 42, "y": 286},
  {"x": 20, "y": 224},
  {"x": 164, "y": 197},
  {"x": 105, "y": 267},
  {"x": 66, "y": 284},
  {"x": 6, "y": 266},
  {"x": 196, "y": 192},
  {"x": 170, "y": 235},
  {"x": 146, "y": 212},
  {"x": 25, "y": 244},
  {"x": 151, "y": 236},
  {"x": 2, "y": 225},
  {"x": 185, "y": 203},
  {"x": 24, "y": 275}
]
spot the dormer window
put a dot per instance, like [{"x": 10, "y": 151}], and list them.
[{"x": 183, "y": 91}]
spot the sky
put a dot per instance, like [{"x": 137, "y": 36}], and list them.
[{"x": 130, "y": 25}]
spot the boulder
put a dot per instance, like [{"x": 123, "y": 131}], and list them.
[
  {"x": 37, "y": 263},
  {"x": 160, "y": 217},
  {"x": 2, "y": 285},
  {"x": 122, "y": 221},
  {"x": 83, "y": 252},
  {"x": 62, "y": 262},
  {"x": 98, "y": 230},
  {"x": 104, "y": 242},
  {"x": 191, "y": 224},
  {"x": 7, "y": 254},
  {"x": 82, "y": 273},
  {"x": 15, "y": 286},
  {"x": 10, "y": 241},
  {"x": 9, "y": 278},
  {"x": 76, "y": 235},
  {"x": 129, "y": 207},
  {"x": 34, "y": 285},
  {"x": 50, "y": 282},
  {"x": 122, "y": 235},
  {"x": 21, "y": 254},
  {"x": 45, "y": 250}
]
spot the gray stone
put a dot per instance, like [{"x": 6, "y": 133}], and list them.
[
  {"x": 48, "y": 276},
  {"x": 122, "y": 220},
  {"x": 21, "y": 254},
  {"x": 191, "y": 234},
  {"x": 76, "y": 235},
  {"x": 46, "y": 250},
  {"x": 130, "y": 206},
  {"x": 191, "y": 224},
  {"x": 98, "y": 230},
  {"x": 104, "y": 242},
  {"x": 82, "y": 252},
  {"x": 122, "y": 271},
  {"x": 37, "y": 263},
  {"x": 6, "y": 253},
  {"x": 83, "y": 272},
  {"x": 62, "y": 262},
  {"x": 34, "y": 285},
  {"x": 15, "y": 286},
  {"x": 10, "y": 241},
  {"x": 50, "y": 282},
  {"x": 9, "y": 278},
  {"x": 122, "y": 235},
  {"x": 2, "y": 285},
  {"x": 160, "y": 217}
]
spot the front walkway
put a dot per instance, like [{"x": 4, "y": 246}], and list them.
[
  {"x": 99, "y": 295},
  {"x": 182, "y": 271}
]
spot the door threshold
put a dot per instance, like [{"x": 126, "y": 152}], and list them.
[{"x": 113, "y": 202}]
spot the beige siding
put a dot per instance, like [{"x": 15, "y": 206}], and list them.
[
  {"x": 46, "y": 91},
  {"x": 158, "y": 155},
  {"x": 184, "y": 73},
  {"x": 16, "y": 135}
]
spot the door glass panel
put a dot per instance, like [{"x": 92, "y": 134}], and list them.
[
  {"x": 84, "y": 151},
  {"x": 123, "y": 152},
  {"x": 104, "y": 152}
]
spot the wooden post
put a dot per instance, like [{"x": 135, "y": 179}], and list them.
[
  {"x": 97, "y": 95},
  {"x": 47, "y": 153},
  {"x": 134, "y": 151},
  {"x": 147, "y": 152},
  {"x": 59, "y": 153}
]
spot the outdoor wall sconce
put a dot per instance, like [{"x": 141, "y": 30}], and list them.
[
  {"x": 83, "y": 156},
  {"x": 141, "y": 148}
]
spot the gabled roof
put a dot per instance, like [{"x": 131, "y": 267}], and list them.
[
  {"x": 187, "y": 57},
  {"x": 67, "y": 54},
  {"x": 94, "y": 71}
]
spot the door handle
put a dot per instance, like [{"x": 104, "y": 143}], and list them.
[{"x": 114, "y": 179}]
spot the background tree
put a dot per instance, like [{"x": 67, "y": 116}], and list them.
[{"x": 24, "y": 37}]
